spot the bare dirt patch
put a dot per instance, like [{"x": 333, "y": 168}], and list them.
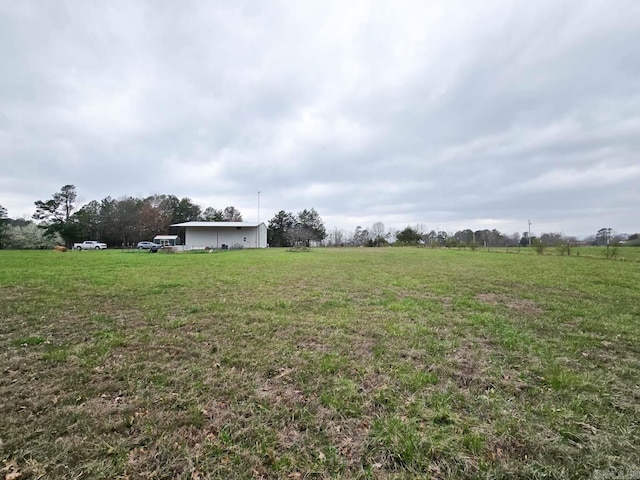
[
  {"x": 488, "y": 298},
  {"x": 217, "y": 413},
  {"x": 347, "y": 435},
  {"x": 361, "y": 345},
  {"x": 474, "y": 369},
  {"x": 277, "y": 392},
  {"x": 314, "y": 345},
  {"x": 471, "y": 360},
  {"x": 520, "y": 305},
  {"x": 528, "y": 307}
]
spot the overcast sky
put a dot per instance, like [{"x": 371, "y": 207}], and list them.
[{"x": 453, "y": 114}]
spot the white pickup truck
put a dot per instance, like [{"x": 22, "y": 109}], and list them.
[{"x": 89, "y": 245}]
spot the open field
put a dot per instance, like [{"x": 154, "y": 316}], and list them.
[
  {"x": 629, "y": 254},
  {"x": 345, "y": 363}
]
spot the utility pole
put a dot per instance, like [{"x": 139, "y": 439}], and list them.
[
  {"x": 529, "y": 232},
  {"x": 258, "y": 206}
]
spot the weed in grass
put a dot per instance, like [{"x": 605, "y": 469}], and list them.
[
  {"x": 56, "y": 354},
  {"x": 175, "y": 323},
  {"x": 385, "y": 399},
  {"x": 344, "y": 397},
  {"x": 331, "y": 363},
  {"x": 28, "y": 341},
  {"x": 398, "y": 444},
  {"x": 414, "y": 379}
]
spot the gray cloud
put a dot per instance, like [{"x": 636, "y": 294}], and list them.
[{"x": 449, "y": 114}]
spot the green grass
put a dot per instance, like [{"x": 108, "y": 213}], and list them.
[
  {"x": 620, "y": 253},
  {"x": 343, "y": 363}
]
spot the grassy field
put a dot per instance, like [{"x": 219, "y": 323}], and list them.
[
  {"x": 631, "y": 254},
  {"x": 345, "y": 363}
]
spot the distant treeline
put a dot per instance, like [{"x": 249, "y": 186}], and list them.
[
  {"x": 377, "y": 236},
  {"x": 116, "y": 222},
  {"x": 128, "y": 220}
]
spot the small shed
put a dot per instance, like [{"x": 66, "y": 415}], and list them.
[{"x": 167, "y": 240}]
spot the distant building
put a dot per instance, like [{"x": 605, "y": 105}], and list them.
[
  {"x": 224, "y": 234},
  {"x": 167, "y": 240}
]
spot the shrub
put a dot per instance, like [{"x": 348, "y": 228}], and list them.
[
  {"x": 538, "y": 246},
  {"x": 564, "y": 248}
]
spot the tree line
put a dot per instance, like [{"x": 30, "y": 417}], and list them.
[
  {"x": 288, "y": 230},
  {"x": 378, "y": 236},
  {"x": 128, "y": 220},
  {"x": 116, "y": 222}
]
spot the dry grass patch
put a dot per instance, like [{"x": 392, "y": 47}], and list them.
[{"x": 520, "y": 305}]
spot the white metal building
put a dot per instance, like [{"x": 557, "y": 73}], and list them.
[{"x": 224, "y": 234}]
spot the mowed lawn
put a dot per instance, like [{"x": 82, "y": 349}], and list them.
[{"x": 333, "y": 363}]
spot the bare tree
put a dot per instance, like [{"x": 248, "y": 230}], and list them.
[
  {"x": 211, "y": 214},
  {"x": 300, "y": 236},
  {"x": 232, "y": 214},
  {"x": 514, "y": 239},
  {"x": 377, "y": 230},
  {"x": 360, "y": 237},
  {"x": 378, "y": 237},
  {"x": 336, "y": 237}
]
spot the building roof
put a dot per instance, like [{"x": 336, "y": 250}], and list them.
[
  {"x": 218, "y": 224},
  {"x": 166, "y": 237}
]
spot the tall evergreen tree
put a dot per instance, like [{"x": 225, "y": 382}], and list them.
[
  {"x": 408, "y": 236},
  {"x": 310, "y": 221},
  {"x": 279, "y": 227},
  {"x": 55, "y": 214}
]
